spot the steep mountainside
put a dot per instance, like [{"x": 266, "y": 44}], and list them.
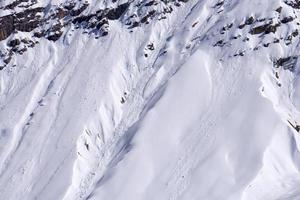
[{"x": 149, "y": 99}]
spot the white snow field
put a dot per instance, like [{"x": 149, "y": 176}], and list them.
[{"x": 210, "y": 113}]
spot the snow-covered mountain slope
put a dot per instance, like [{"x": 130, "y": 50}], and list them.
[{"x": 149, "y": 99}]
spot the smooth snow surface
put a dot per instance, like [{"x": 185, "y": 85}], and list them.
[{"x": 86, "y": 118}]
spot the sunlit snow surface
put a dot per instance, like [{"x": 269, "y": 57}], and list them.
[{"x": 95, "y": 119}]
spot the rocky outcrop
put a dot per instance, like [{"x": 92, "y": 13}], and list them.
[
  {"x": 293, "y": 3},
  {"x": 277, "y": 27},
  {"x": 50, "y": 22},
  {"x": 287, "y": 63},
  {"x": 25, "y": 22},
  {"x": 266, "y": 28}
]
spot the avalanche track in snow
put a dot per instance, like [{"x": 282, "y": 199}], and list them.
[{"x": 149, "y": 99}]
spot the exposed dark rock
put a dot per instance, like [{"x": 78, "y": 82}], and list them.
[
  {"x": 288, "y": 40},
  {"x": 97, "y": 20},
  {"x": 246, "y": 39},
  {"x": 14, "y": 43},
  {"x": 22, "y": 50},
  {"x": 25, "y": 22},
  {"x": 295, "y": 33},
  {"x": 39, "y": 34},
  {"x": 219, "y": 43},
  {"x": 287, "y": 19},
  {"x": 279, "y": 9},
  {"x": 276, "y": 40},
  {"x": 240, "y": 53},
  {"x": 293, "y": 3},
  {"x": 55, "y": 36},
  {"x": 15, "y": 4},
  {"x": 296, "y": 127},
  {"x": 226, "y": 28},
  {"x": 249, "y": 20},
  {"x": 287, "y": 63},
  {"x": 266, "y": 28},
  {"x": 116, "y": 13},
  {"x": 134, "y": 25},
  {"x": 29, "y": 20},
  {"x": 77, "y": 12},
  {"x": 7, "y": 60},
  {"x": 219, "y": 4},
  {"x": 258, "y": 29},
  {"x": 151, "y": 3},
  {"x": 149, "y": 15},
  {"x": 122, "y": 100},
  {"x": 150, "y": 46},
  {"x": 69, "y": 6},
  {"x": 50, "y": 22}
]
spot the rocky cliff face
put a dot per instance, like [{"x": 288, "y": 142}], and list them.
[{"x": 49, "y": 22}]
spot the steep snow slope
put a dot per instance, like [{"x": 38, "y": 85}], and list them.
[{"x": 149, "y": 99}]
